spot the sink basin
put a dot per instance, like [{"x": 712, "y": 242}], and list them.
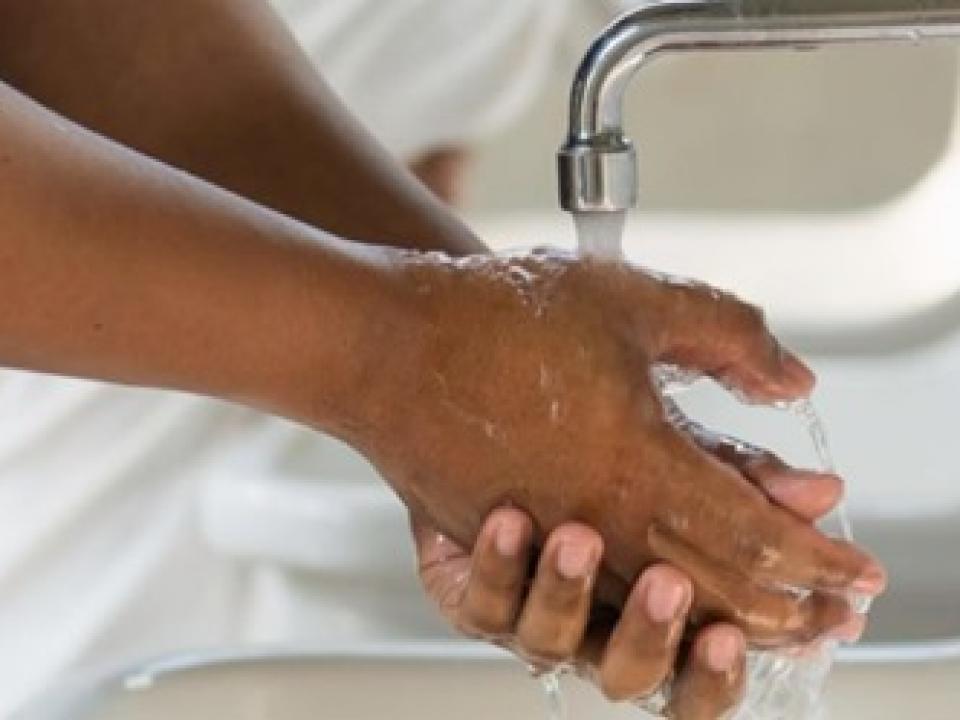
[{"x": 426, "y": 682}]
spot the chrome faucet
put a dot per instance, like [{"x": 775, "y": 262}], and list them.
[{"x": 598, "y": 163}]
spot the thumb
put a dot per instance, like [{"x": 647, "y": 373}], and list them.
[
  {"x": 703, "y": 329},
  {"x": 434, "y": 549},
  {"x": 443, "y": 566}
]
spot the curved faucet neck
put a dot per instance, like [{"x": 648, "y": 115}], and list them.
[{"x": 598, "y": 164}]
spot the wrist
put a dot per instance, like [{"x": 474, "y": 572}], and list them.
[{"x": 341, "y": 325}]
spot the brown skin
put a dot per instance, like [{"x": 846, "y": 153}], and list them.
[
  {"x": 442, "y": 170},
  {"x": 238, "y": 141},
  {"x": 547, "y": 620},
  {"x": 223, "y": 91},
  {"x": 261, "y": 301},
  {"x": 546, "y": 404},
  {"x": 488, "y": 594},
  {"x": 99, "y": 254}
]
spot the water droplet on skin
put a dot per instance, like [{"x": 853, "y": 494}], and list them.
[
  {"x": 678, "y": 523},
  {"x": 544, "y": 377}
]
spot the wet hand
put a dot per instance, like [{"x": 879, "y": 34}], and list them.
[
  {"x": 527, "y": 382},
  {"x": 550, "y": 620}
]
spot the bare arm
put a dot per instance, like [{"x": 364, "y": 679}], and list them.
[
  {"x": 117, "y": 267},
  {"x": 221, "y": 89},
  {"x": 468, "y": 384}
]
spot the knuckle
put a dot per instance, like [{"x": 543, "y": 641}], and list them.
[
  {"x": 737, "y": 315},
  {"x": 775, "y": 622},
  {"x": 618, "y": 690},
  {"x": 749, "y": 318},
  {"x": 565, "y": 600},
  {"x": 554, "y": 649},
  {"x": 757, "y": 555},
  {"x": 487, "y": 622},
  {"x": 496, "y": 580},
  {"x": 766, "y": 618}
]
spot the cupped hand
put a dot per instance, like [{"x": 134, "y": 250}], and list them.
[
  {"x": 550, "y": 620},
  {"x": 527, "y": 381}
]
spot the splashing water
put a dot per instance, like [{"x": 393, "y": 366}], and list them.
[
  {"x": 790, "y": 688},
  {"x": 556, "y": 707},
  {"x": 807, "y": 413},
  {"x": 817, "y": 430},
  {"x": 781, "y": 686}
]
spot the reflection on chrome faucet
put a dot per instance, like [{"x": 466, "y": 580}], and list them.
[{"x": 598, "y": 163}]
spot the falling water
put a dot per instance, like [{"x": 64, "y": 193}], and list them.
[
  {"x": 817, "y": 430},
  {"x": 556, "y": 707},
  {"x": 600, "y": 234},
  {"x": 807, "y": 413}
]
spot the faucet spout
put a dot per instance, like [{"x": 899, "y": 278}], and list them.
[{"x": 598, "y": 163}]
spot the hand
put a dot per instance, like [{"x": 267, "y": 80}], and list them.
[
  {"x": 527, "y": 382},
  {"x": 548, "y": 621},
  {"x": 552, "y": 619}
]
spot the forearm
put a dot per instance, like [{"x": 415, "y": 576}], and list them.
[
  {"x": 117, "y": 267},
  {"x": 221, "y": 90}
]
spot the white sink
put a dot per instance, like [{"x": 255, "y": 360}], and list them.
[{"x": 428, "y": 683}]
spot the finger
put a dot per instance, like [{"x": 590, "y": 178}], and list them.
[
  {"x": 715, "y": 511},
  {"x": 769, "y": 617},
  {"x": 703, "y": 329},
  {"x": 848, "y": 633},
  {"x": 433, "y": 546},
  {"x": 809, "y": 495},
  {"x": 554, "y": 618},
  {"x": 444, "y": 568},
  {"x": 642, "y": 648},
  {"x": 498, "y": 573},
  {"x": 713, "y": 680}
]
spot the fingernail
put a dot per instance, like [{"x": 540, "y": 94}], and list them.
[
  {"x": 576, "y": 560},
  {"x": 786, "y": 486},
  {"x": 872, "y": 582},
  {"x": 797, "y": 372},
  {"x": 723, "y": 651},
  {"x": 851, "y": 631},
  {"x": 805, "y": 487},
  {"x": 509, "y": 538},
  {"x": 665, "y": 601}
]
